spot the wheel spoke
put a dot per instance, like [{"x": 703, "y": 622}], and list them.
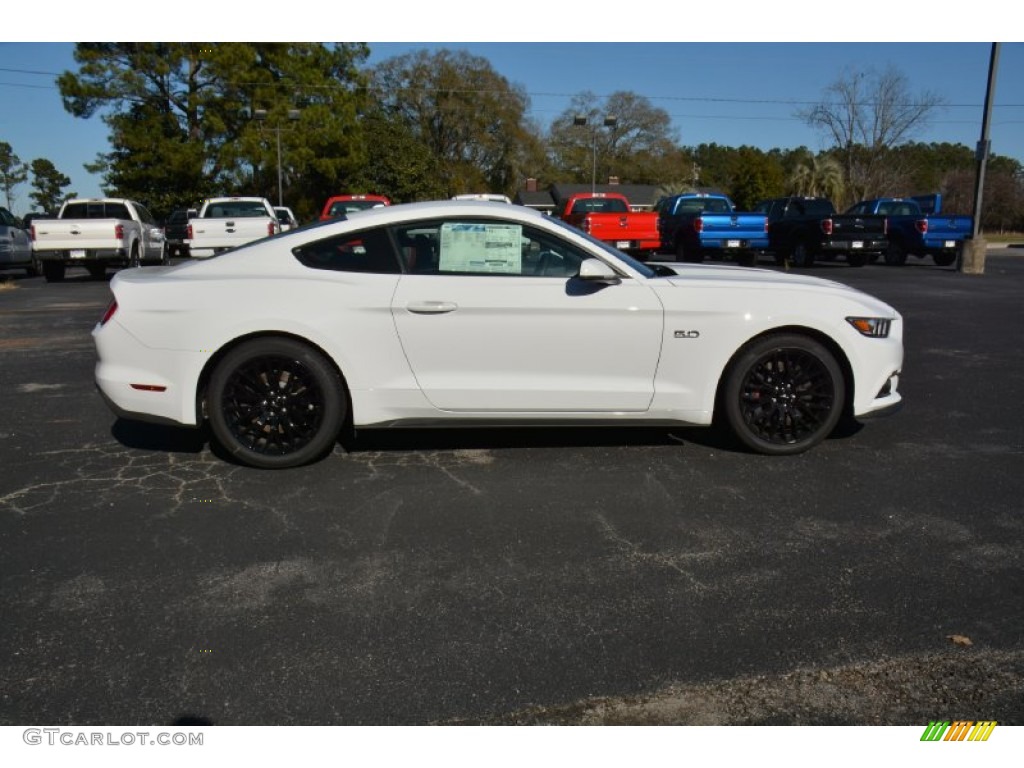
[
  {"x": 786, "y": 396},
  {"x": 273, "y": 405}
]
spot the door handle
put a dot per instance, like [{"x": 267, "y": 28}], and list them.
[{"x": 431, "y": 307}]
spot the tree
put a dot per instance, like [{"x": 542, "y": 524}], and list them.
[
  {"x": 756, "y": 177},
  {"x": 818, "y": 176},
  {"x": 639, "y": 148},
  {"x": 471, "y": 119},
  {"x": 48, "y": 185},
  {"x": 12, "y": 171},
  {"x": 864, "y": 114},
  {"x": 181, "y": 117}
]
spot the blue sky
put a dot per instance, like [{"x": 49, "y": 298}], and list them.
[{"x": 729, "y": 93}]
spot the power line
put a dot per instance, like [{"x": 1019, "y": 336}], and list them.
[{"x": 531, "y": 94}]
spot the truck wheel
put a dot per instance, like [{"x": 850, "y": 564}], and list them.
[
  {"x": 802, "y": 257},
  {"x": 783, "y": 394},
  {"x": 856, "y": 258},
  {"x": 944, "y": 259},
  {"x": 164, "y": 258},
  {"x": 690, "y": 256},
  {"x": 275, "y": 403},
  {"x": 133, "y": 260},
  {"x": 34, "y": 268},
  {"x": 53, "y": 271},
  {"x": 896, "y": 255}
]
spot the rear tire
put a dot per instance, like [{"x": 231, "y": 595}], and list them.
[
  {"x": 275, "y": 403},
  {"x": 53, "y": 271},
  {"x": 896, "y": 255},
  {"x": 802, "y": 256}
]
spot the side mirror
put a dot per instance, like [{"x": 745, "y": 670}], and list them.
[{"x": 595, "y": 270}]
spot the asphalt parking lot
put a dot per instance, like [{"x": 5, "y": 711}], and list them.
[{"x": 520, "y": 576}]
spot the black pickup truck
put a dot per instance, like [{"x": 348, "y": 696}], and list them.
[
  {"x": 803, "y": 229},
  {"x": 176, "y": 231}
]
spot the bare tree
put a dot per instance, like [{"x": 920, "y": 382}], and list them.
[
  {"x": 12, "y": 171},
  {"x": 865, "y": 114}
]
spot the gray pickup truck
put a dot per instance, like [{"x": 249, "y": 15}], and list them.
[{"x": 15, "y": 244}]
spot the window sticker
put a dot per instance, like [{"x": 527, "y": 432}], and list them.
[{"x": 481, "y": 247}]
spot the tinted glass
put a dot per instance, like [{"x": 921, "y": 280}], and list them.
[{"x": 368, "y": 251}]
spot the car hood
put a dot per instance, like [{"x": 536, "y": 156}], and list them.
[{"x": 710, "y": 277}]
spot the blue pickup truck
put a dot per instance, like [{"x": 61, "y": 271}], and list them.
[
  {"x": 693, "y": 225},
  {"x": 913, "y": 232}
]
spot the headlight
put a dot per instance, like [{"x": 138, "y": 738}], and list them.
[{"x": 875, "y": 327}]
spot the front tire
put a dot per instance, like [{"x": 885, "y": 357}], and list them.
[
  {"x": 275, "y": 403},
  {"x": 783, "y": 394}
]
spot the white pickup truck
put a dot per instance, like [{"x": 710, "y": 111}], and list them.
[
  {"x": 96, "y": 234},
  {"x": 228, "y": 222}
]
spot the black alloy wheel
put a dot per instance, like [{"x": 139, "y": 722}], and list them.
[
  {"x": 275, "y": 403},
  {"x": 784, "y": 394}
]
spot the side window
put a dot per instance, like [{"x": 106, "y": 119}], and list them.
[
  {"x": 144, "y": 215},
  {"x": 368, "y": 251},
  {"x": 485, "y": 247}
]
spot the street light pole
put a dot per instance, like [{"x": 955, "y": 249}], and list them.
[
  {"x": 610, "y": 121},
  {"x": 261, "y": 116}
]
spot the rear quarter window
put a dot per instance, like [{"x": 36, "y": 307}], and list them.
[{"x": 367, "y": 251}]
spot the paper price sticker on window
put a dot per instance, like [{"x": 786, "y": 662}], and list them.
[{"x": 481, "y": 247}]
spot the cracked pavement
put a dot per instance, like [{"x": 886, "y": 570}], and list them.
[{"x": 520, "y": 576}]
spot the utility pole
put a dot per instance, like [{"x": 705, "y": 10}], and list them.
[
  {"x": 609, "y": 122},
  {"x": 261, "y": 116},
  {"x": 971, "y": 260}
]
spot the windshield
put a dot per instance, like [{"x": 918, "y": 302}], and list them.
[
  {"x": 241, "y": 209},
  {"x": 600, "y": 205},
  {"x": 702, "y": 205},
  {"x": 352, "y": 206},
  {"x": 615, "y": 253}
]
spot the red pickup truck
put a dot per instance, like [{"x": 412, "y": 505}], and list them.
[
  {"x": 607, "y": 216},
  {"x": 339, "y": 205}
]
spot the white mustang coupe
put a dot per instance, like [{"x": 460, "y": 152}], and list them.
[{"x": 471, "y": 313}]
